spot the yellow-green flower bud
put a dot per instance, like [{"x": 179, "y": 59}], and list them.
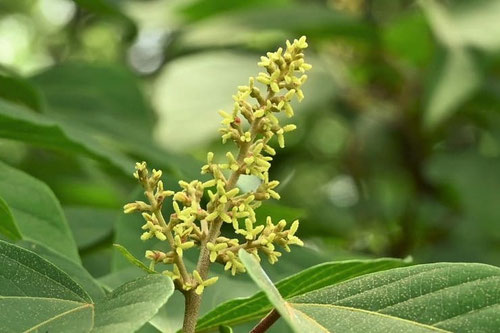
[
  {"x": 274, "y": 87},
  {"x": 160, "y": 235},
  {"x": 209, "y": 183},
  {"x": 259, "y": 113},
  {"x": 214, "y": 249},
  {"x": 300, "y": 95},
  {"x": 202, "y": 284},
  {"x": 294, "y": 227},
  {"x": 248, "y": 160},
  {"x": 175, "y": 274},
  {"x": 180, "y": 246},
  {"x": 289, "y": 128}
]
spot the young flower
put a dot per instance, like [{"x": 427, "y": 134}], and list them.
[
  {"x": 179, "y": 245},
  {"x": 203, "y": 283},
  {"x": 215, "y": 249}
]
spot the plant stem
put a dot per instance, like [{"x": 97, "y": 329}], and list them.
[
  {"x": 266, "y": 322},
  {"x": 192, "y": 302}
]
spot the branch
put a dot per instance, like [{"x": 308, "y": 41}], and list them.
[{"x": 266, "y": 322}]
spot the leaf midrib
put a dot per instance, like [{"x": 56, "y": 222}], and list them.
[
  {"x": 62, "y": 314},
  {"x": 369, "y": 312}
]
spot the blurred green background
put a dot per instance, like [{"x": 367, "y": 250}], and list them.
[{"x": 397, "y": 151}]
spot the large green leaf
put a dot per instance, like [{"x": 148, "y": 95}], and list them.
[
  {"x": 102, "y": 99},
  {"x": 246, "y": 309},
  {"x": 8, "y": 226},
  {"x": 76, "y": 271},
  {"x": 438, "y": 297},
  {"x": 458, "y": 297},
  {"x": 129, "y": 307},
  {"x": 106, "y": 101},
  {"x": 36, "y": 296},
  {"x": 36, "y": 211},
  {"x": 18, "y": 123},
  {"x": 29, "y": 314}
]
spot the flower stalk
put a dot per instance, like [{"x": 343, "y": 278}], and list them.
[{"x": 251, "y": 127}]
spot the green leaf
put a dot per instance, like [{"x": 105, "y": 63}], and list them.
[
  {"x": 115, "y": 279},
  {"x": 459, "y": 297},
  {"x": 148, "y": 328},
  {"x": 8, "y": 226},
  {"x": 331, "y": 318},
  {"x": 129, "y": 307},
  {"x": 133, "y": 260},
  {"x": 26, "y": 274},
  {"x": 18, "y": 123},
  {"x": 439, "y": 297},
  {"x": 106, "y": 101},
  {"x": 100, "y": 99},
  {"x": 455, "y": 79},
  {"x": 76, "y": 271},
  {"x": 27, "y": 314},
  {"x": 18, "y": 90},
  {"x": 90, "y": 225},
  {"x": 36, "y": 211},
  {"x": 35, "y": 295},
  {"x": 297, "y": 323},
  {"x": 246, "y": 309}
]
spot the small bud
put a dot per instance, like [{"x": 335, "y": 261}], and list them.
[{"x": 274, "y": 87}]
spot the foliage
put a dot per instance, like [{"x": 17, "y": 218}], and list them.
[{"x": 395, "y": 153}]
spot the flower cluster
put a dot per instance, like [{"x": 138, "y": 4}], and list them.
[{"x": 196, "y": 224}]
